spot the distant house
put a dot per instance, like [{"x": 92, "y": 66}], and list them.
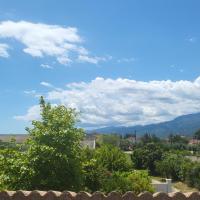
[
  {"x": 18, "y": 137},
  {"x": 194, "y": 141},
  {"x": 132, "y": 139},
  {"x": 89, "y": 141}
]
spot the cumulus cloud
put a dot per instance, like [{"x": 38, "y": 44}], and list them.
[
  {"x": 104, "y": 102},
  {"x": 4, "y": 50},
  {"x": 33, "y": 113},
  {"x": 63, "y": 43}
]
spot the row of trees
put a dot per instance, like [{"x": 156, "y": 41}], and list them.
[
  {"x": 163, "y": 157},
  {"x": 53, "y": 159},
  {"x": 168, "y": 163}
]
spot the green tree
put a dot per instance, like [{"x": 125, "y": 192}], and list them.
[
  {"x": 197, "y": 135},
  {"x": 149, "y": 138},
  {"x": 112, "y": 158},
  {"x": 126, "y": 145},
  {"x": 110, "y": 139},
  {"x": 173, "y": 139},
  {"x": 94, "y": 175},
  {"x": 145, "y": 157},
  {"x": 52, "y": 159},
  {"x": 173, "y": 166},
  {"x": 14, "y": 169},
  {"x": 193, "y": 176}
]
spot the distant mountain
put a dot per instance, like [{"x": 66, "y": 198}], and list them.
[{"x": 184, "y": 125}]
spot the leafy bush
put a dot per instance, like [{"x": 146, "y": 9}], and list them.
[
  {"x": 110, "y": 139},
  {"x": 112, "y": 159},
  {"x": 94, "y": 175},
  {"x": 145, "y": 157},
  {"x": 193, "y": 176},
  {"x": 136, "y": 181},
  {"x": 173, "y": 166}
]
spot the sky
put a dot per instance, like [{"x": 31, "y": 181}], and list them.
[{"x": 119, "y": 63}]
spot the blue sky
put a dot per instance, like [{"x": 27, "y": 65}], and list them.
[{"x": 123, "y": 62}]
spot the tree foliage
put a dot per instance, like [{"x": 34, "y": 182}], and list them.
[
  {"x": 193, "y": 176},
  {"x": 112, "y": 158},
  {"x": 136, "y": 181},
  {"x": 197, "y": 135},
  {"x": 52, "y": 160},
  {"x": 110, "y": 139},
  {"x": 145, "y": 157},
  {"x": 173, "y": 166}
]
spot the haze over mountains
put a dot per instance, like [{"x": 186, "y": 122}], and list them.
[{"x": 183, "y": 125}]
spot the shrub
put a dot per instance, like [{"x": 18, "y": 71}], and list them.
[
  {"x": 173, "y": 166},
  {"x": 146, "y": 156},
  {"x": 193, "y": 176},
  {"x": 136, "y": 181},
  {"x": 112, "y": 158}
]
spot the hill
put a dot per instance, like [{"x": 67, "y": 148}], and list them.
[{"x": 183, "y": 125}]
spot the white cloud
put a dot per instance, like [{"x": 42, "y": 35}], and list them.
[
  {"x": 46, "y": 84},
  {"x": 104, "y": 102},
  {"x": 33, "y": 113},
  {"x": 126, "y": 60},
  {"x": 30, "y": 92},
  {"x": 63, "y": 43},
  {"x": 46, "y": 66},
  {"x": 93, "y": 60},
  {"x": 4, "y": 50},
  {"x": 49, "y": 85}
]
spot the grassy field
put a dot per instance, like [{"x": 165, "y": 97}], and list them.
[{"x": 183, "y": 187}]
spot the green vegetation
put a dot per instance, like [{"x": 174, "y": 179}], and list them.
[
  {"x": 53, "y": 159},
  {"x": 52, "y": 155},
  {"x": 145, "y": 157},
  {"x": 197, "y": 135},
  {"x": 174, "y": 166},
  {"x": 168, "y": 158},
  {"x": 193, "y": 176}
]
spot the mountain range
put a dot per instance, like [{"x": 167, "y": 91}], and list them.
[{"x": 182, "y": 125}]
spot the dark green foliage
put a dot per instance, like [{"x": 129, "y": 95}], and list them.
[
  {"x": 193, "y": 176},
  {"x": 145, "y": 157},
  {"x": 149, "y": 138},
  {"x": 110, "y": 139},
  {"x": 108, "y": 168},
  {"x": 126, "y": 145},
  {"x": 94, "y": 175},
  {"x": 197, "y": 135},
  {"x": 174, "y": 139},
  {"x": 53, "y": 159},
  {"x": 173, "y": 166}
]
